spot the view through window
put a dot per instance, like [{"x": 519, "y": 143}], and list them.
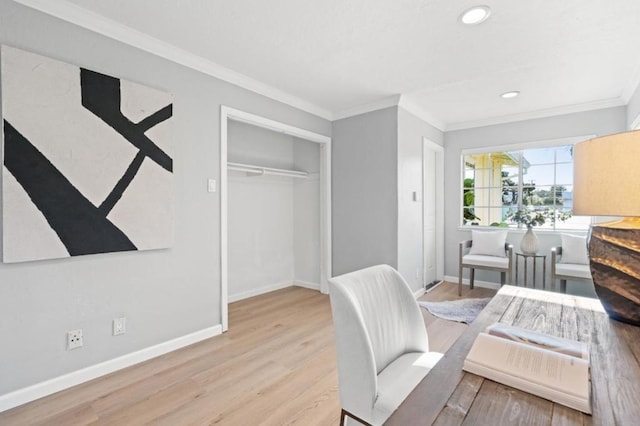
[{"x": 536, "y": 181}]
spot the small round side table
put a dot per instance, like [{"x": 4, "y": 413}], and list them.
[{"x": 534, "y": 257}]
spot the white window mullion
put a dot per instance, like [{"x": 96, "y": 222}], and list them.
[
  {"x": 555, "y": 186},
  {"x": 520, "y": 181}
]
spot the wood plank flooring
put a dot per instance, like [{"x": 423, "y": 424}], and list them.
[{"x": 275, "y": 366}]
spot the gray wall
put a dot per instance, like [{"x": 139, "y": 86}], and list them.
[
  {"x": 364, "y": 191},
  {"x": 411, "y": 130},
  {"x": 376, "y": 167},
  {"x": 163, "y": 293},
  {"x": 599, "y": 122}
]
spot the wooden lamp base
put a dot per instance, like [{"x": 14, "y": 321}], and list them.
[{"x": 614, "y": 253}]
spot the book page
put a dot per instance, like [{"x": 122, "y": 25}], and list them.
[
  {"x": 546, "y": 341},
  {"x": 554, "y": 370}
]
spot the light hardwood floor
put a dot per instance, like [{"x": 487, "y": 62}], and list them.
[{"x": 275, "y": 366}]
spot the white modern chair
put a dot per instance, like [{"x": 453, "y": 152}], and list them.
[
  {"x": 381, "y": 342},
  {"x": 567, "y": 271},
  {"x": 486, "y": 250}
]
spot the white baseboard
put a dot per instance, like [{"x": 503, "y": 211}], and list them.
[
  {"x": 307, "y": 284},
  {"x": 258, "y": 291},
  {"x": 418, "y": 293},
  {"x": 48, "y": 387},
  {"x": 273, "y": 287},
  {"x": 476, "y": 283},
  {"x": 434, "y": 287}
]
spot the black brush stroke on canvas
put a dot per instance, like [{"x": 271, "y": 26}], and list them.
[
  {"x": 118, "y": 190},
  {"x": 101, "y": 96},
  {"x": 81, "y": 226}
]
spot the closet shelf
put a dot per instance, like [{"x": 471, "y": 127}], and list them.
[{"x": 260, "y": 170}]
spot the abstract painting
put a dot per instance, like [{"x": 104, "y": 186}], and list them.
[{"x": 87, "y": 161}]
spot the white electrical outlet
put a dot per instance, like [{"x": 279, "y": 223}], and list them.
[
  {"x": 74, "y": 339},
  {"x": 119, "y": 326}
]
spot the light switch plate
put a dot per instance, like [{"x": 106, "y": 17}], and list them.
[
  {"x": 211, "y": 185},
  {"x": 119, "y": 326}
]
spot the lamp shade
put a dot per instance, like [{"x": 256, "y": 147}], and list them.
[
  {"x": 606, "y": 176},
  {"x": 606, "y": 182}
]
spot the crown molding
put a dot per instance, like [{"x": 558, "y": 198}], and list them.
[
  {"x": 390, "y": 101},
  {"x": 562, "y": 110},
  {"x": 421, "y": 113},
  {"x": 112, "y": 29},
  {"x": 369, "y": 107}
]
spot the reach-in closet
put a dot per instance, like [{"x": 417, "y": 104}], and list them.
[{"x": 274, "y": 222}]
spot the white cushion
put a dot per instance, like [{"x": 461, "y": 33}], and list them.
[
  {"x": 398, "y": 380},
  {"x": 573, "y": 270},
  {"x": 486, "y": 261},
  {"x": 574, "y": 249},
  {"x": 488, "y": 243}
]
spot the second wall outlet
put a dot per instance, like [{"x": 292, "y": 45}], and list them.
[{"x": 119, "y": 326}]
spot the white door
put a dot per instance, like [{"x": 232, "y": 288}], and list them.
[{"x": 433, "y": 212}]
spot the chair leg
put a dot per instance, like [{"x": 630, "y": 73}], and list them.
[
  {"x": 503, "y": 278},
  {"x": 563, "y": 286},
  {"x": 472, "y": 276},
  {"x": 344, "y": 414},
  {"x": 460, "y": 281}
]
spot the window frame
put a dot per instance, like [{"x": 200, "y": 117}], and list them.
[{"x": 546, "y": 143}]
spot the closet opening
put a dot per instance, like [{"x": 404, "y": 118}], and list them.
[{"x": 275, "y": 207}]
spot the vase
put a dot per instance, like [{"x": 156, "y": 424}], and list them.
[
  {"x": 614, "y": 256},
  {"x": 529, "y": 243}
]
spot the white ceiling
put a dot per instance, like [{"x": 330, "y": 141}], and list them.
[{"x": 340, "y": 56}]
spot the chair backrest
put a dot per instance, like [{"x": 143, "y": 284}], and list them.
[
  {"x": 466, "y": 245},
  {"x": 575, "y": 271},
  {"x": 376, "y": 320}
]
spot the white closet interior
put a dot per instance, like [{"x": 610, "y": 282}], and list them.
[{"x": 274, "y": 211}]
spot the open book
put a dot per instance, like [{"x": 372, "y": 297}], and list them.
[{"x": 550, "y": 367}]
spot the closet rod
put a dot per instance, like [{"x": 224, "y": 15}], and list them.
[{"x": 259, "y": 170}]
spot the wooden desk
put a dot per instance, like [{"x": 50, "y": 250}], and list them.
[{"x": 449, "y": 396}]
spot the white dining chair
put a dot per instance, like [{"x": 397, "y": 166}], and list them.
[{"x": 381, "y": 341}]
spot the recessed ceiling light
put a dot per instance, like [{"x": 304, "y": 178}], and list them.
[
  {"x": 475, "y": 15},
  {"x": 509, "y": 95}
]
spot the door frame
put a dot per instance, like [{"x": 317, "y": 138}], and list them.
[
  {"x": 228, "y": 113},
  {"x": 635, "y": 124},
  {"x": 427, "y": 144}
]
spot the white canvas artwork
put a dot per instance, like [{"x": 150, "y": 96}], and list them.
[{"x": 88, "y": 164}]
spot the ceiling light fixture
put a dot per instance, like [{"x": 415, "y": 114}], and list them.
[
  {"x": 509, "y": 95},
  {"x": 475, "y": 15}
]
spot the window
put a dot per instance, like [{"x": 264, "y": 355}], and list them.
[{"x": 498, "y": 184}]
